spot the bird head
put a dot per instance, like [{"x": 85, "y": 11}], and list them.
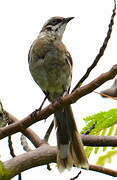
[{"x": 55, "y": 26}]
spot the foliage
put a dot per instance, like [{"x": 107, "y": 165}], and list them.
[
  {"x": 103, "y": 120},
  {"x": 102, "y": 123},
  {"x": 106, "y": 158}
]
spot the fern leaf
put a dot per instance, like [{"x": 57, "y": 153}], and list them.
[
  {"x": 115, "y": 132},
  {"x": 88, "y": 151},
  {"x": 107, "y": 158},
  {"x": 103, "y": 120}
]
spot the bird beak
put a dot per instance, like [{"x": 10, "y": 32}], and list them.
[{"x": 66, "y": 20}]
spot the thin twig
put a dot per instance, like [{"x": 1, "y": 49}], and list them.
[
  {"x": 103, "y": 170},
  {"x": 48, "y": 167},
  {"x": 101, "y": 51},
  {"x": 46, "y": 137},
  {"x": 105, "y": 95},
  {"x": 90, "y": 129},
  {"x": 10, "y": 144},
  {"x": 12, "y": 153},
  {"x": 76, "y": 176}
]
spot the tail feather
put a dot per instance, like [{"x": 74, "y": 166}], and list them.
[
  {"x": 64, "y": 157},
  {"x": 78, "y": 153},
  {"x": 70, "y": 147},
  {"x": 65, "y": 163}
]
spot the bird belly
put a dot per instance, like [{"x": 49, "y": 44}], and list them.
[{"x": 54, "y": 77}]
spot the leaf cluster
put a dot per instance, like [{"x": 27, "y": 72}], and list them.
[{"x": 102, "y": 123}]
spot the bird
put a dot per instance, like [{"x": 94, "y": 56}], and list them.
[{"x": 50, "y": 65}]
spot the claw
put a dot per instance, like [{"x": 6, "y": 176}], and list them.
[{"x": 34, "y": 115}]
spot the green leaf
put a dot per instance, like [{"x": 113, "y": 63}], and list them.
[
  {"x": 88, "y": 151},
  {"x": 103, "y": 121},
  {"x": 107, "y": 158}
]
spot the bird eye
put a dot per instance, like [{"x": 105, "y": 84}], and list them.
[
  {"x": 59, "y": 20},
  {"x": 54, "y": 21}
]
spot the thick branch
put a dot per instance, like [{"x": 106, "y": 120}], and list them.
[
  {"x": 29, "y": 133},
  {"x": 41, "y": 156},
  {"x": 88, "y": 140},
  {"x": 47, "y": 154},
  {"x": 100, "y": 141},
  {"x": 46, "y": 112}
]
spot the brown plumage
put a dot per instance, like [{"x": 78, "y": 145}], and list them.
[
  {"x": 67, "y": 134},
  {"x": 51, "y": 67}
]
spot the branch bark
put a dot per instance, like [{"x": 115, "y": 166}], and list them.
[
  {"x": 99, "y": 141},
  {"x": 29, "y": 133},
  {"x": 88, "y": 140},
  {"x": 70, "y": 99},
  {"x": 46, "y": 154},
  {"x": 43, "y": 155},
  {"x": 103, "y": 170}
]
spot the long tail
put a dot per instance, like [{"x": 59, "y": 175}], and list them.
[{"x": 70, "y": 147}]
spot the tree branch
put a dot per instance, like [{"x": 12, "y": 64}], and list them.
[
  {"x": 100, "y": 141},
  {"x": 43, "y": 155},
  {"x": 46, "y": 137},
  {"x": 46, "y": 154},
  {"x": 52, "y": 108},
  {"x": 24, "y": 143},
  {"x": 29, "y": 133},
  {"x": 103, "y": 170},
  {"x": 101, "y": 52},
  {"x": 88, "y": 140}
]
